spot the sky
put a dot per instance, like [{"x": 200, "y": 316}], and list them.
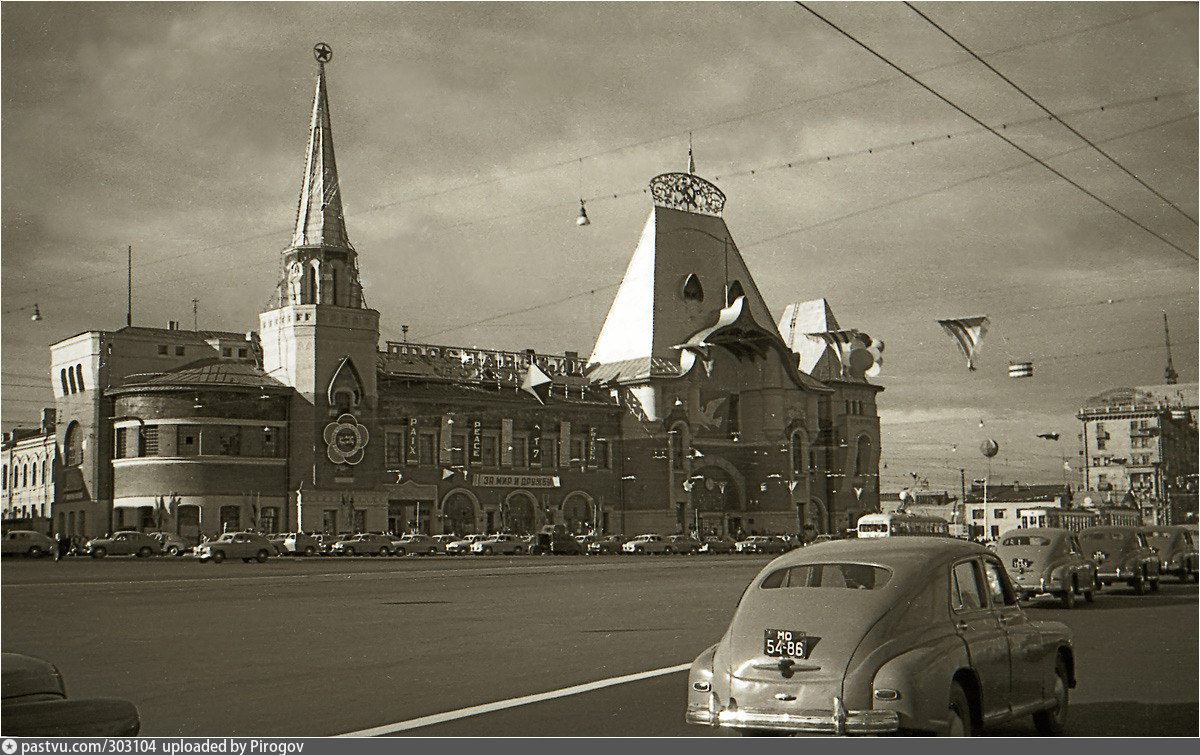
[{"x": 466, "y": 134}]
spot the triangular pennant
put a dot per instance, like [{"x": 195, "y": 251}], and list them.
[
  {"x": 858, "y": 493},
  {"x": 792, "y": 485},
  {"x": 536, "y": 383},
  {"x": 969, "y": 333},
  {"x": 447, "y": 473}
]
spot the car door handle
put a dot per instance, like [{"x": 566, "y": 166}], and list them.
[{"x": 963, "y": 625}]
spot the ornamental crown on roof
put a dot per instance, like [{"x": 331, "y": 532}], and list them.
[{"x": 687, "y": 192}]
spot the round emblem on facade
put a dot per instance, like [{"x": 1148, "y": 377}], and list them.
[{"x": 346, "y": 440}]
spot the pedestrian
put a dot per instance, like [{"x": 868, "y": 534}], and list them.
[{"x": 63, "y": 545}]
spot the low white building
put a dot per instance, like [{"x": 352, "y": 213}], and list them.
[{"x": 998, "y": 509}]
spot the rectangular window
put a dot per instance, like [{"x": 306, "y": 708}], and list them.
[
  {"x": 189, "y": 440},
  {"x": 458, "y": 451},
  {"x": 122, "y": 439},
  {"x": 1100, "y": 444},
  {"x": 977, "y": 513},
  {"x": 162, "y": 350},
  {"x": 241, "y": 353},
  {"x": 995, "y": 531},
  {"x": 602, "y": 459},
  {"x": 179, "y": 351},
  {"x": 997, "y": 513},
  {"x": 549, "y": 452},
  {"x": 221, "y": 441},
  {"x": 226, "y": 352},
  {"x": 148, "y": 442},
  {"x": 577, "y": 457},
  {"x": 268, "y": 519},
  {"x": 393, "y": 449},
  {"x": 965, "y": 594},
  {"x": 270, "y": 442},
  {"x": 489, "y": 450},
  {"x": 425, "y": 449}
]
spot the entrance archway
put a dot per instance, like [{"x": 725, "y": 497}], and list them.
[
  {"x": 816, "y": 518},
  {"x": 718, "y": 502},
  {"x": 459, "y": 511},
  {"x": 520, "y": 512},
  {"x": 577, "y": 513}
]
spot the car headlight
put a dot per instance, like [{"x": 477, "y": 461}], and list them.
[{"x": 1098, "y": 557}]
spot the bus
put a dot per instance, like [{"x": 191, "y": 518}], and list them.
[{"x": 891, "y": 525}]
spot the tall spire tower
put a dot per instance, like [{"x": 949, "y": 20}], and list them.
[
  {"x": 1171, "y": 376},
  {"x": 323, "y": 341}
]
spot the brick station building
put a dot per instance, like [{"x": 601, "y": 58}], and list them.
[{"x": 696, "y": 409}]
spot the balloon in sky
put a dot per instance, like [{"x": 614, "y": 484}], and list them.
[
  {"x": 969, "y": 333},
  {"x": 989, "y": 448}
]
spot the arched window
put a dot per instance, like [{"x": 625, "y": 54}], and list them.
[
  {"x": 79, "y": 376},
  {"x": 71, "y": 378},
  {"x": 309, "y": 294},
  {"x": 333, "y": 285},
  {"x": 73, "y": 446},
  {"x": 45, "y": 468},
  {"x": 24, "y": 475},
  {"x": 798, "y": 453},
  {"x": 62, "y": 375},
  {"x": 678, "y": 440},
  {"x": 735, "y": 290},
  {"x": 33, "y": 475},
  {"x": 862, "y": 465},
  {"x": 692, "y": 290},
  {"x": 5, "y": 483}
]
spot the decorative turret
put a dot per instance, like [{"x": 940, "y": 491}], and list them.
[{"x": 321, "y": 267}]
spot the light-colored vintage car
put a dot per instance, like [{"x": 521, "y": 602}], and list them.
[
  {"x": 1176, "y": 550},
  {"x": 500, "y": 543},
  {"x": 441, "y": 541},
  {"x": 907, "y": 634},
  {"x": 172, "y": 544},
  {"x": 462, "y": 545},
  {"x": 243, "y": 545},
  {"x": 1122, "y": 554},
  {"x": 26, "y": 543},
  {"x": 125, "y": 543},
  {"x": 1048, "y": 561},
  {"x": 648, "y": 543}
]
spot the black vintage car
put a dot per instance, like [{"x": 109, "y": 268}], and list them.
[
  {"x": 554, "y": 539},
  {"x": 35, "y": 704}
]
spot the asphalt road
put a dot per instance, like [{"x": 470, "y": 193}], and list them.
[{"x": 329, "y": 646}]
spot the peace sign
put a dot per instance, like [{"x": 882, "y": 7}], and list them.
[{"x": 323, "y": 52}]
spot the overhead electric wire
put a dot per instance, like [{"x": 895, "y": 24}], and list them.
[
  {"x": 1051, "y": 113},
  {"x": 998, "y": 135}
]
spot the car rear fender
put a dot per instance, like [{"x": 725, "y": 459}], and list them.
[{"x": 923, "y": 676}]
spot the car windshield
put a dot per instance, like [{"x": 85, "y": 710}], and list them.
[
  {"x": 1026, "y": 540},
  {"x": 848, "y": 576}
]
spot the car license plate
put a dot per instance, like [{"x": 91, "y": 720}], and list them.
[
  {"x": 786, "y": 643},
  {"x": 1021, "y": 563}
]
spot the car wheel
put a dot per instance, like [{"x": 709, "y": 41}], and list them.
[
  {"x": 1053, "y": 722},
  {"x": 351, "y": 552},
  {"x": 1068, "y": 597},
  {"x": 487, "y": 550},
  {"x": 961, "y": 722},
  {"x": 639, "y": 550},
  {"x": 402, "y": 551},
  {"x": 99, "y": 553},
  {"x": 144, "y": 552},
  {"x": 173, "y": 550},
  {"x": 1089, "y": 595},
  {"x": 1154, "y": 584},
  {"x": 217, "y": 556},
  {"x": 309, "y": 551},
  {"x": 1139, "y": 584},
  {"x": 34, "y": 552},
  {"x": 262, "y": 556},
  {"x": 517, "y": 551},
  {"x": 384, "y": 551}
]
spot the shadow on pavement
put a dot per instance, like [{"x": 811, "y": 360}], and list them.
[{"x": 1117, "y": 719}]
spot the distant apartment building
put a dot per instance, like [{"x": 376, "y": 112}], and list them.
[
  {"x": 993, "y": 510},
  {"x": 1139, "y": 446},
  {"x": 28, "y": 462}
]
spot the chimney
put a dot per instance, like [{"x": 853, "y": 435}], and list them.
[
  {"x": 49, "y": 416},
  {"x": 172, "y": 325}
]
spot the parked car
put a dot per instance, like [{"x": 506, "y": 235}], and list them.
[
  {"x": 328, "y": 540},
  {"x": 685, "y": 544},
  {"x": 881, "y": 635},
  {"x": 717, "y": 545},
  {"x": 760, "y": 544},
  {"x": 441, "y": 541},
  {"x": 363, "y": 544},
  {"x": 125, "y": 543},
  {"x": 605, "y": 545},
  {"x": 415, "y": 542},
  {"x": 1048, "y": 561},
  {"x": 297, "y": 544},
  {"x": 553, "y": 539},
  {"x": 1176, "y": 550},
  {"x": 462, "y": 545},
  {"x": 172, "y": 544},
  {"x": 1122, "y": 554},
  {"x": 34, "y": 703},
  {"x": 501, "y": 543},
  {"x": 648, "y": 543},
  {"x": 243, "y": 545},
  {"x": 26, "y": 543}
]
